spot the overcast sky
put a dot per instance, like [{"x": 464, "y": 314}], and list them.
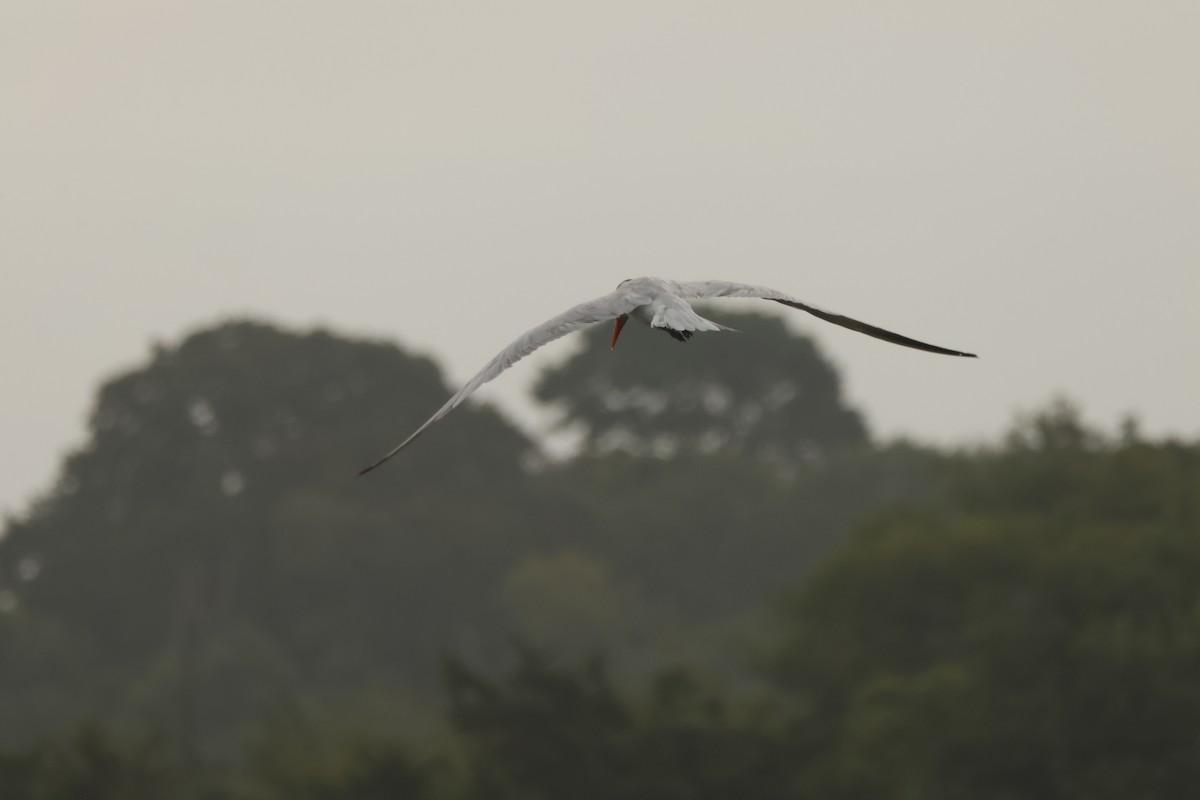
[{"x": 1018, "y": 179}]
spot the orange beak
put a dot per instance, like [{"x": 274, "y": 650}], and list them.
[{"x": 621, "y": 320}]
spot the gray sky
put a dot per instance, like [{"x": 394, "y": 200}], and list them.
[{"x": 1019, "y": 179}]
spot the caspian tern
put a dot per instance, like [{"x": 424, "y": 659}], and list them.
[{"x": 661, "y": 304}]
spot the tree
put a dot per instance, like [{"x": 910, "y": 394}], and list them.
[
  {"x": 89, "y": 764},
  {"x": 358, "y": 769},
  {"x": 764, "y": 391},
  {"x": 213, "y": 522},
  {"x": 552, "y": 732},
  {"x": 708, "y": 535},
  {"x": 1017, "y": 642},
  {"x": 589, "y": 609}
]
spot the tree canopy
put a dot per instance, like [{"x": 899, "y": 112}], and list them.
[
  {"x": 1035, "y": 637},
  {"x": 214, "y": 519},
  {"x": 208, "y": 603}
]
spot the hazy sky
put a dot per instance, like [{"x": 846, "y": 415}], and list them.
[{"x": 1019, "y": 179}]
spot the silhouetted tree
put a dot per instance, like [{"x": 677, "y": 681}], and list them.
[
  {"x": 89, "y": 764},
  {"x": 552, "y": 732},
  {"x": 1022, "y": 641},
  {"x": 713, "y": 534},
  {"x": 211, "y": 535},
  {"x": 355, "y": 770}
]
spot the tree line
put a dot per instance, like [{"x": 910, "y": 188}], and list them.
[{"x": 731, "y": 589}]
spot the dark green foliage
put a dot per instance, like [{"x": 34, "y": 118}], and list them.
[
  {"x": 1025, "y": 644},
  {"x": 1053, "y": 465},
  {"x": 717, "y": 534},
  {"x": 90, "y": 765},
  {"x": 210, "y": 552},
  {"x": 552, "y": 732},
  {"x": 358, "y": 770},
  {"x": 225, "y": 467},
  {"x": 250, "y": 621}
]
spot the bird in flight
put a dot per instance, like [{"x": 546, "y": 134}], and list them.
[{"x": 661, "y": 304}]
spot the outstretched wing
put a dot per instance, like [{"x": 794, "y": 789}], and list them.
[
  {"x": 695, "y": 290},
  {"x": 608, "y": 307}
]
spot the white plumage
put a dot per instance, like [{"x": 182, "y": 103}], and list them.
[{"x": 655, "y": 302}]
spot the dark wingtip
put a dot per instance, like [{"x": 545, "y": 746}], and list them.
[
  {"x": 365, "y": 470},
  {"x": 872, "y": 330}
]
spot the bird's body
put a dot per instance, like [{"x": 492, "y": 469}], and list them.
[{"x": 660, "y": 304}]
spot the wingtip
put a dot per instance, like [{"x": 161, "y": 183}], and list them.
[{"x": 365, "y": 470}]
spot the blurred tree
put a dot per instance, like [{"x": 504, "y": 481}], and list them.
[
  {"x": 1052, "y": 464},
  {"x": 570, "y": 604},
  {"x": 39, "y": 663},
  {"x": 90, "y": 764},
  {"x": 716, "y": 534},
  {"x": 1021, "y": 642},
  {"x": 356, "y": 770},
  {"x": 764, "y": 391},
  {"x": 548, "y": 732},
  {"x": 213, "y": 522}
]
